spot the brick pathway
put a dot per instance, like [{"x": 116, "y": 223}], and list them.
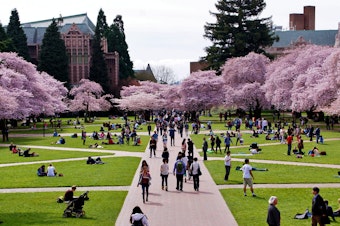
[{"x": 206, "y": 207}]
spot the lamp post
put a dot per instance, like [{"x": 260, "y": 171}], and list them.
[{"x": 43, "y": 121}]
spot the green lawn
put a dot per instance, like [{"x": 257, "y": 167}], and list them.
[
  {"x": 273, "y": 150},
  {"x": 276, "y": 174},
  {"x": 41, "y": 209},
  {"x": 117, "y": 171},
  {"x": 253, "y": 210},
  {"x": 78, "y": 143},
  {"x": 44, "y": 154}
]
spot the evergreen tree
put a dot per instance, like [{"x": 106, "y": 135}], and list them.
[
  {"x": 16, "y": 33},
  {"x": 6, "y": 44},
  {"x": 238, "y": 31},
  {"x": 116, "y": 42},
  {"x": 98, "y": 69},
  {"x": 53, "y": 55}
]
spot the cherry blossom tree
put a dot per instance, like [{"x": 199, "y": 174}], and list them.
[
  {"x": 145, "y": 96},
  {"x": 88, "y": 96},
  {"x": 25, "y": 91},
  {"x": 201, "y": 91},
  {"x": 306, "y": 79},
  {"x": 243, "y": 80}
]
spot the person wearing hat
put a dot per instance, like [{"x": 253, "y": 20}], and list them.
[{"x": 69, "y": 194}]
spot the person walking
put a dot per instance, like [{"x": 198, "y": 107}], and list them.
[
  {"x": 152, "y": 146},
  {"x": 227, "y": 141},
  {"x": 317, "y": 134},
  {"x": 227, "y": 165},
  {"x": 83, "y": 136},
  {"x": 300, "y": 144},
  {"x": 179, "y": 171},
  {"x": 311, "y": 132},
  {"x": 205, "y": 148},
  {"x": 149, "y": 129},
  {"x": 190, "y": 149},
  {"x": 218, "y": 144},
  {"x": 273, "y": 215},
  {"x": 212, "y": 142},
  {"x": 238, "y": 136},
  {"x": 138, "y": 217},
  {"x": 184, "y": 146},
  {"x": 318, "y": 208},
  {"x": 247, "y": 177},
  {"x": 165, "y": 154},
  {"x": 289, "y": 141},
  {"x": 144, "y": 181},
  {"x": 172, "y": 136},
  {"x": 164, "y": 174},
  {"x": 195, "y": 171}
]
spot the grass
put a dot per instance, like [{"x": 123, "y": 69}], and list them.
[
  {"x": 117, "y": 171},
  {"x": 44, "y": 155},
  {"x": 40, "y": 209},
  {"x": 78, "y": 143},
  {"x": 278, "y": 152},
  {"x": 290, "y": 202},
  {"x": 276, "y": 174}
]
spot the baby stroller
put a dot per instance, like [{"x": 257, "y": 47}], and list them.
[{"x": 75, "y": 207}]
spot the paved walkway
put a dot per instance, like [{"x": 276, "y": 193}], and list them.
[{"x": 168, "y": 208}]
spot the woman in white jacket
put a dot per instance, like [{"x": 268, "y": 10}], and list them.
[{"x": 138, "y": 216}]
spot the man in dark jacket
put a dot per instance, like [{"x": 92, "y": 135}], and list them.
[
  {"x": 273, "y": 216},
  {"x": 318, "y": 208}
]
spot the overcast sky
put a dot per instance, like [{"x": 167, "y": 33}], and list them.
[{"x": 164, "y": 32}]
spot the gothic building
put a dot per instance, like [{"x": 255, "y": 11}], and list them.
[{"x": 77, "y": 31}]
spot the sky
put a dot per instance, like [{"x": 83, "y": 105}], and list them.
[{"x": 165, "y": 32}]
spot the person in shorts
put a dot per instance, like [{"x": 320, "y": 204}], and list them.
[{"x": 247, "y": 177}]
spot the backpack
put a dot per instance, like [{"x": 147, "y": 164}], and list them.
[
  {"x": 301, "y": 216},
  {"x": 138, "y": 223},
  {"x": 179, "y": 167}
]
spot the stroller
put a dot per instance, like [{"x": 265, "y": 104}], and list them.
[{"x": 75, "y": 207}]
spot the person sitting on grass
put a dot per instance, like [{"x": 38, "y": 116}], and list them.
[
  {"x": 91, "y": 161},
  {"x": 96, "y": 145},
  {"x": 60, "y": 141},
  {"x": 51, "y": 172},
  {"x": 69, "y": 194},
  {"x": 28, "y": 154},
  {"x": 11, "y": 146},
  {"x": 41, "y": 171}
]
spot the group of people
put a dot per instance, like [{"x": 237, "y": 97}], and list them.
[
  {"x": 51, "y": 171},
  {"x": 321, "y": 211},
  {"x": 26, "y": 153}
]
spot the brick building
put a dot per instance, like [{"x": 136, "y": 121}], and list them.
[
  {"x": 305, "y": 21},
  {"x": 77, "y": 31}
]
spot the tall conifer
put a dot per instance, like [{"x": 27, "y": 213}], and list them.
[
  {"x": 116, "y": 42},
  {"x": 53, "y": 55},
  {"x": 16, "y": 33},
  {"x": 98, "y": 69},
  {"x": 237, "y": 31}
]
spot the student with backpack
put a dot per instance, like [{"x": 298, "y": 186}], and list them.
[
  {"x": 138, "y": 218},
  {"x": 179, "y": 171},
  {"x": 144, "y": 180}
]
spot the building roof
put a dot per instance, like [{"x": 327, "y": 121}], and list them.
[
  {"x": 320, "y": 37},
  {"x": 145, "y": 74},
  {"x": 35, "y": 31},
  {"x": 77, "y": 19}
]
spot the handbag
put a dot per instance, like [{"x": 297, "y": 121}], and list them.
[{"x": 199, "y": 171}]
